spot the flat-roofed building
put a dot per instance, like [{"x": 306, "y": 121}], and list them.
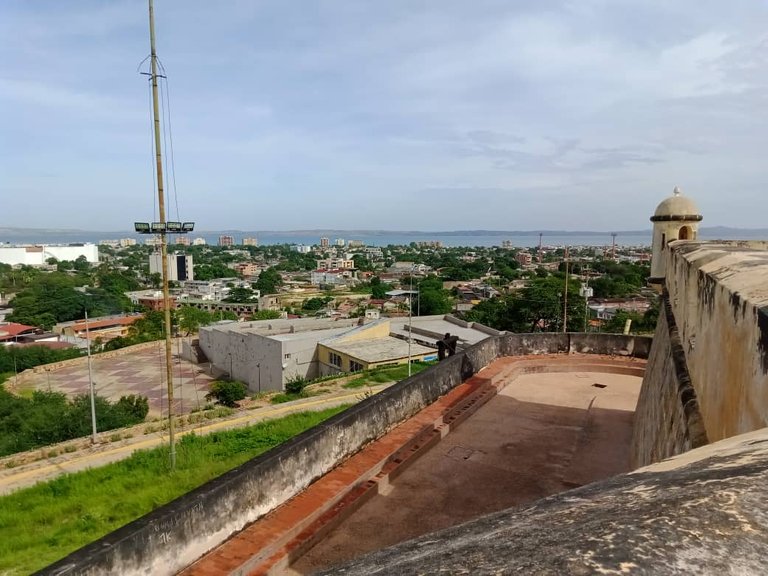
[
  {"x": 266, "y": 354},
  {"x": 38, "y": 254},
  {"x": 180, "y": 266}
]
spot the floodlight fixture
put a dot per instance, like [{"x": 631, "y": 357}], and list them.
[
  {"x": 173, "y": 227},
  {"x": 158, "y": 227},
  {"x": 187, "y": 226},
  {"x": 142, "y": 227}
]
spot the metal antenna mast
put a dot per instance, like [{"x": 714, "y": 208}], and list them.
[{"x": 163, "y": 239}]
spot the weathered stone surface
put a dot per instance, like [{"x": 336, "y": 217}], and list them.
[
  {"x": 719, "y": 295},
  {"x": 667, "y": 417},
  {"x": 702, "y": 512}
]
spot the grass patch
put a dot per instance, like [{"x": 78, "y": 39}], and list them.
[
  {"x": 44, "y": 523},
  {"x": 287, "y": 397},
  {"x": 385, "y": 375}
]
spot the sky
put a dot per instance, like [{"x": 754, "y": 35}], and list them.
[{"x": 398, "y": 115}]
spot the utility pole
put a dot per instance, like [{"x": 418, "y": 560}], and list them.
[
  {"x": 90, "y": 380},
  {"x": 565, "y": 294},
  {"x": 410, "y": 323},
  {"x": 163, "y": 239}
]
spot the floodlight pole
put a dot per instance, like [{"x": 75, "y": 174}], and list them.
[
  {"x": 565, "y": 294},
  {"x": 90, "y": 380},
  {"x": 410, "y": 324},
  {"x": 163, "y": 238}
]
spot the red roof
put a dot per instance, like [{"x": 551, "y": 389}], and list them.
[
  {"x": 11, "y": 330},
  {"x": 96, "y": 324}
]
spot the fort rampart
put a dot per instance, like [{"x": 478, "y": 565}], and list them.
[{"x": 176, "y": 534}]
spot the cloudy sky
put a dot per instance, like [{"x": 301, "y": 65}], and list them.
[{"x": 399, "y": 115}]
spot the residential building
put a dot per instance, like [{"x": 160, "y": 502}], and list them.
[
  {"x": 180, "y": 266},
  {"x": 324, "y": 242},
  {"x": 181, "y": 240},
  {"x": 335, "y": 277},
  {"x": 103, "y": 327},
  {"x": 153, "y": 241},
  {"x": 11, "y": 332},
  {"x": 246, "y": 269},
  {"x": 355, "y": 244},
  {"x": 155, "y": 302},
  {"x": 225, "y": 240},
  {"x": 301, "y": 248},
  {"x": 336, "y": 264},
  {"x": 339, "y": 242},
  {"x": 121, "y": 243},
  {"x": 199, "y": 242},
  {"x": 250, "y": 242},
  {"x": 524, "y": 258}
]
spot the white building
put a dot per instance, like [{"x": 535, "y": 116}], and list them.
[
  {"x": 336, "y": 264},
  {"x": 36, "y": 255},
  {"x": 302, "y": 249},
  {"x": 199, "y": 242},
  {"x": 180, "y": 267},
  {"x": 266, "y": 354}
]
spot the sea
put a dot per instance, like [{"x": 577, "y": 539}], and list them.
[{"x": 383, "y": 238}]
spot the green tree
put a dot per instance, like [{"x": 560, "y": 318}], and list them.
[
  {"x": 191, "y": 319},
  {"x": 538, "y": 307},
  {"x": 240, "y": 294},
  {"x": 269, "y": 281},
  {"x": 266, "y": 315},
  {"x": 379, "y": 289}
]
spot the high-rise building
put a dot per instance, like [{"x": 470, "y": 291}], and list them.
[
  {"x": 355, "y": 243},
  {"x": 324, "y": 242},
  {"x": 225, "y": 240},
  {"x": 181, "y": 241},
  {"x": 180, "y": 267},
  {"x": 339, "y": 242},
  {"x": 199, "y": 242},
  {"x": 250, "y": 241}
]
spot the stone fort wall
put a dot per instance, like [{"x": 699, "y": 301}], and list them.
[
  {"x": 174, "y": 535},
  {"x": 707, "y": 375}
]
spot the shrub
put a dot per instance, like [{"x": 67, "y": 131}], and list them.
[
  {"x": 227, "y": 392},
  {"x": 295, "y": 385}
]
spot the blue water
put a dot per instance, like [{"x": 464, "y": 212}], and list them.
[{"x": 387, "y": 238}]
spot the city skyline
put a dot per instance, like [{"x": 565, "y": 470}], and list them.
[{"x": 445, "y": 116}]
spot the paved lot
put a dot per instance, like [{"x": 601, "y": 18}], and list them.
[{"x": 140, "y": 372}]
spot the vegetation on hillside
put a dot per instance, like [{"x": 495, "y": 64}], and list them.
[
  {"x": 42, "y": 524},
  {"x": 49, "y": 417}
]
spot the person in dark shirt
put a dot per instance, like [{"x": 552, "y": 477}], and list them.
[
  {"x": 440, "y": 350},
  {"x": 450, "y": 343}
]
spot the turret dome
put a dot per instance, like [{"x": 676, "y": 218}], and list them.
[{"x": 677, "y": 207}]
